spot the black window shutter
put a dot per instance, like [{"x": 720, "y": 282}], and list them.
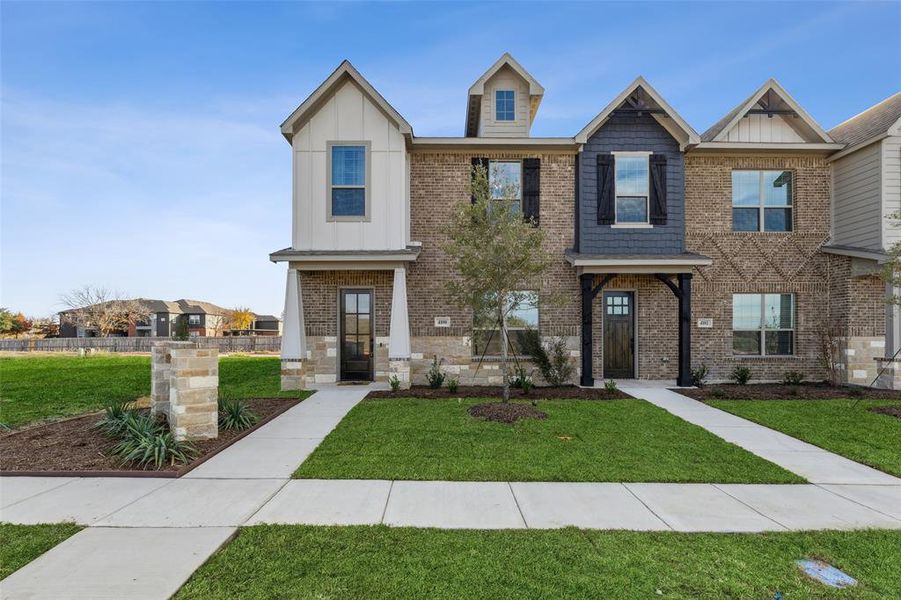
[
  {"x": 657, "y": 200},
  {"x": 477, "y": 161},
  {"x": 531, "y": 186},
  {"x": 606, "y": 210}
]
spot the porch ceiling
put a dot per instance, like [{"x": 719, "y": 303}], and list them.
[
  {"x": 327, "y": 260},
  {"x": 637, "y": 263}
]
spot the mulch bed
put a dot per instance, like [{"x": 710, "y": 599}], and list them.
[
  {"x": 476, "y": 391},
  {"x": 76, "y": 446},
  {"x": 779, "y": 391},
  {"x": 508, "y": 412},
  {"x": 892, "y": 411}
]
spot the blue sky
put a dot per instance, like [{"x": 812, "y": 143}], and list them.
[{"x": 140, "y": 141}]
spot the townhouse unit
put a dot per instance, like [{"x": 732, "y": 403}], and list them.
[{"x": 671, "y": 249}]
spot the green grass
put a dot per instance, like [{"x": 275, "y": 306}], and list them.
[
  {"x": 383, "y": 562},
  {"x": 840, "y": 426},
  {"x": 35, "y": 388},
  {"x": 618, "y": 440},
  {"x": 21, "y": 544}
]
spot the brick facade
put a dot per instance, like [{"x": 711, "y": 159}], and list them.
[
  {"x": 440, "y": 180},
  {"x": 752, "y": 262},
  {"x": 830, "y": 290}
]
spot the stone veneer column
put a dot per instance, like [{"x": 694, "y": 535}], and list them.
[
  {"x": 294, "y": 342},
  {"x": 399, "y": 333},
  {"x": 160, "y": 371},
  {"x": 194, "y": 393}
]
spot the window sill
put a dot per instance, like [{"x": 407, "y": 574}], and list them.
[
  {"x": 631, "y": 226},
  {"x": 741, "y": 357}
]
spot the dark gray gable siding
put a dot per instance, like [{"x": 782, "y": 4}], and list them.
[{"x": 624, "y": 134}]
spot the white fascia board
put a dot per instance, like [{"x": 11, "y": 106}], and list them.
[
  {"x": 772, "y": 84},
  {"x": 770, "y": 146},
  {"x": 691, "y": 135}
]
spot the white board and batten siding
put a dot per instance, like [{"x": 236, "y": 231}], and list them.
[
  {"x": 350, "y": 116},
  {"x": 857, "y": 193},
  {"x": 761, "y": 128},
  {"x": 505, "y": 79},
  {"x": 891, "y": 188}
]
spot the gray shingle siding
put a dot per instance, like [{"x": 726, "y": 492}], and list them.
[{"x": 636, "y": 134}]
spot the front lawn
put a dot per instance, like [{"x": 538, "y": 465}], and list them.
[
  {"x": 581, "y": 440},
  {"x": 35, "y": 388},
  {"x": 21, "y": 544},
  {"x": 384, "y": 562},
  {"x": 846, "y": 427}
]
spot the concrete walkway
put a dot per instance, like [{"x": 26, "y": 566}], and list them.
[
  {"x": 157, "y": 531},
  {"x": 810, "y": 462}
]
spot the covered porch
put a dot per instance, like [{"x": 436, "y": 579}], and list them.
[
  {"x": 346, "y": 316},
  {"x": 635, "y": 324}
]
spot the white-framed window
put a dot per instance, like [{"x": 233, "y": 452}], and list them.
[
  {"x": 348, "y": 181},
  {"x": 486, "y": 335},
  {"x": 194, "y": 320},
  {"x": 632, "y": 187},
  {"x": 763, "y": 324},
  {"x": 761, "y": 200},
  {"x": 505, "y": 181},
  {"x": 505, "y": 105}
]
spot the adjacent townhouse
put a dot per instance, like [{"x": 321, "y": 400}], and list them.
[{"x": 672, "y": 249}]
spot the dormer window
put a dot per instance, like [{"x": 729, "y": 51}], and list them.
[
  {"x": 348, "y": 198},
  {"x": 632, "y": 187},
  {"x": 504, "y": 109}
]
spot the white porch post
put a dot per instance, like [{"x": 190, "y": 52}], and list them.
[
  {"x": 294, "y": 339},
  {"x": 399, "y": 334}
]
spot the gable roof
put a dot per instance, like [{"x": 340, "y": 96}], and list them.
[
  {"x": 640, "y": 93},
  {"x": 200, "y": 307},
  {"x": 764, "y": 96},
  {"x": 477, "y": 89},
  {"x": 880, "y": 119},
  {"x": 344, "y": 72}
]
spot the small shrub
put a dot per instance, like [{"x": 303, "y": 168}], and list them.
[
  {"x": 520, "y": 379},
  {"x": 527, "y": 385},
  {"x": 792, "y": 391},
  {"x": 154, "y": 449},
  {"x": 394, "y": 382},
  {"x": 741, "y": 375},
  {"x": 236, "y": 415},
  {"x": 717, "y": 393},
  {"x": 114, "y": 421},
  {"x": 610, "y": 386},
  {"x": 699, "y": 375},
  {"x": 551, "y": 358},
  {"x": 452, "y": 385},
  {"x": 793, "y": 378},
  {"x": 435, "y": 376}
]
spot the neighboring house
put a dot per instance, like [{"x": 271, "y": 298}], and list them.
[
  {"x": 266, "y": 325},
  {"x": 674, "y": 249},
  {"x": 204, "y": 319},
  {"x": 866, "y": 183}
]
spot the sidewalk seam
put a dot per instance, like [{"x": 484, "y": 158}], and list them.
[
  {"x": 518, "y": 507},
  {"x": 643, "y": 503},
  {"x": 742, "y": 502},
  {"x": 387, "y": 500}
]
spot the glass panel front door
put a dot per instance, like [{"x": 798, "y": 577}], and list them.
[{"x": 356, "y": 335}]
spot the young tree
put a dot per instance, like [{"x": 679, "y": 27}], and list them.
[
  {"x": 181, "y": 329},
  {"x": 20, "y": 324},
  {"x": 891, "y": 268},
  {"x": 496, "y": 253},
  {"x": 6, "y": 321},
  {"x": 104, "y": 310},
  {"x": 240, "y": 319}
]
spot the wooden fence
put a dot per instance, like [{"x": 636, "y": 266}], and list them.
[{"x": 138, "y": 344}]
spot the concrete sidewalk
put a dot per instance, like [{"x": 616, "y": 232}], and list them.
[
  {"x": 810, "y": 462},
  {"x": 147, "y": 535}
]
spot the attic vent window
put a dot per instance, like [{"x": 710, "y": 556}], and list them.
[{"x": 504, "y": 105}]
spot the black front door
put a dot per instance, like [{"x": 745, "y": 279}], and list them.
[
  {"x": 619, "y": 335},
  {"x": 356, "y": 335}
]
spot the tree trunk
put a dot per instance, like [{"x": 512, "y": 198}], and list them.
[{"x": 503, "y": 320}]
